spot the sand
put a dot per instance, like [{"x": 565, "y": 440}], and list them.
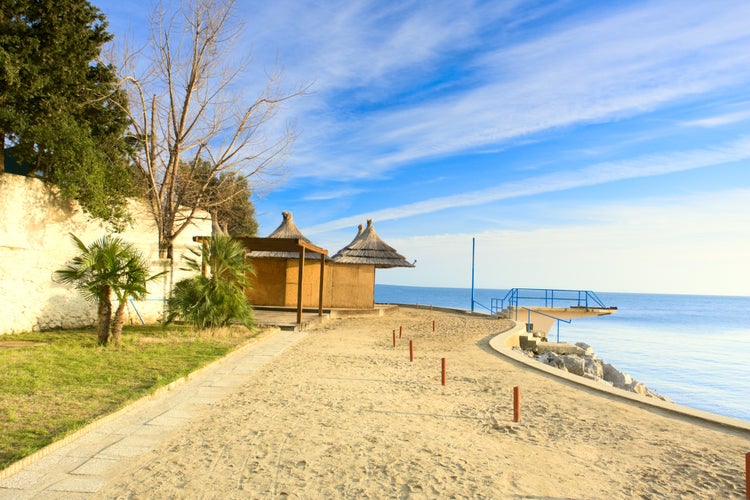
[{"x": 345, "y": 414}]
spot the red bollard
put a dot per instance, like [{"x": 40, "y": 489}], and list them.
[
  {"x": 394, "y": 338},
  {"x": 516, "y": 404},
  {"x": 400, "y": 331},
  {"x": 411, "y": 350},
  {"x": 443, "y": 371}
]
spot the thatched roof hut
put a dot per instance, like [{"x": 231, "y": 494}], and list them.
[
  {"x": 368, "y": 248},
  {"x": 287, "y": 229}
]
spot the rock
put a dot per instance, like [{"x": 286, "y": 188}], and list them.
[
  {"x": 587, "y": 350},
  {"x": 579, "y": 360},
  {"x": 573, "y": 364},
  {"x": 546, "y": 357},
  {"x": 619, "y": 379},
  {"x": 638, "y": 388},
  {"x": 559, "y": 348},
  {"x": 594, "y": 368}
]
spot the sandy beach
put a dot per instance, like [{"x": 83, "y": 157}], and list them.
[{"x": 343, "y": 413}]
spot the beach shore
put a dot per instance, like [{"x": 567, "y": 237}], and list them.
[{"x": 344, "y": 413}]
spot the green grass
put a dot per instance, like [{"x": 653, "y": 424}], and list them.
[{"x": 51, "y": 390}]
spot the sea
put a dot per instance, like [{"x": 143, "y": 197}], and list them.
[{"x": 693, "y": 349}]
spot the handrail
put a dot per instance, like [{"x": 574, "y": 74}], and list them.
[{"x": 547, "y": 297}]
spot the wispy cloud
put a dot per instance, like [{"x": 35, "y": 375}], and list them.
[
  {"x": 600, "y": 173},
  {"x": 720, "y": 120},
  {"x": 332, "y": 195},
  {"x": 600, "y": 67}
]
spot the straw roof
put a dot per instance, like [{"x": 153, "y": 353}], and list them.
[
  {"x": 368, "y": 248},
  {"x": 287, "y": 229}
]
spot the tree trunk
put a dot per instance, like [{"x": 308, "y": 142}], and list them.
[
  {"x": 2, "y": 153},
  {"x": 104, "y": 317},
  {"x": 118, "y": 322}
]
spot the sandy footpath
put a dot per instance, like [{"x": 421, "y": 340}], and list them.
[{"x": 345, "y": 414}]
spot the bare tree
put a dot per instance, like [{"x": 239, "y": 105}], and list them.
[{"x": 188, "y": 111}]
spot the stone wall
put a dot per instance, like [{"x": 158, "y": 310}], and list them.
[{"x": 35, "y": 227}]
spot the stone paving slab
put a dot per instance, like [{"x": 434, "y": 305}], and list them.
[{"x": 81, "y": 467}]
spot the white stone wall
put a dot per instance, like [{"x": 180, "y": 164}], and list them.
[{"x": 35, "y": 227}]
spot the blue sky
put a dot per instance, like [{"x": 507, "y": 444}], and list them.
[{"x": 595, "y": 145}]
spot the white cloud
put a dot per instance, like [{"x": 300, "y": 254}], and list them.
[
  {"x": 694, "y": 244},
  {"x": 720, "y": 120},
  {"x": 644, "y": 166},
  {"x": 591, "y": 69}
]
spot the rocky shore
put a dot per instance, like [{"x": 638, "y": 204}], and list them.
[{"x": 579, "y": 359}]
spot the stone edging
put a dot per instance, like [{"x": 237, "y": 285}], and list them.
[
  {"x": 56, "y": 445},
  {"x": 502, "y": 343}
]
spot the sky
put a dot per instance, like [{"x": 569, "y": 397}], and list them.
[{"x": 580, "y": 144}]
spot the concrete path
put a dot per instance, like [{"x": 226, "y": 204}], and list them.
[{"x": 84, "y": 465}]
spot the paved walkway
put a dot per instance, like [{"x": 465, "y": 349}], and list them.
[{"x": 84, "y": 465}]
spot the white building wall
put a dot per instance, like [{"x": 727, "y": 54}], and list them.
[{"x": 35, "y": 227}]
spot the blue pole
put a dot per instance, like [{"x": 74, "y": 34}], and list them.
[{"x": 473, "y": 245}]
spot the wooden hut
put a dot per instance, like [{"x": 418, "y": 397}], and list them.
[
  {"x": 368, "y": 248},
  {"x": 277, "y": 275},
  {"x": 353, "y": 269}
]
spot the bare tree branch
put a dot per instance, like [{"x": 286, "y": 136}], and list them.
[{"x": 195, "y": 133}]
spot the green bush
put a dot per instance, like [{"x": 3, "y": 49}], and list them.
[{"x": 216, "y": 295}]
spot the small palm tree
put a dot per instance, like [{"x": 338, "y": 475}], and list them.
[
  {"x": 216, "y": 295},
  {"x": 131, "y": 283},
  {"x": 109, "y": 265}
]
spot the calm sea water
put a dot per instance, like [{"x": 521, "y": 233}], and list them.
[{"x": 693, "y": 349}]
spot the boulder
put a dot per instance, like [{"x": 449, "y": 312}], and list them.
[
  {"x": 587, "y": 350},
  {"x": 593, "y": 367},
  {"x": 619, "y": 379},
  {"x": 559, "y": 348},
  {"x": 573, "y": 364}
]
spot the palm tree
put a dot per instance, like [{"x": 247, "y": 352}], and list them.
[
  {"x": 216, "y": 295},
  {"x": 131, "y": 283},
  {"x": 108, "y": 265}
]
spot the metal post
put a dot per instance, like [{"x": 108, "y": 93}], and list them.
[{"x": 473, "y": 247}]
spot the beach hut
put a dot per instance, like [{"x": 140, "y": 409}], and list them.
[
  {"x": 353, "y": 268},
  {"x": 288, "y": 270},
  {"x": 368, "y": 248}
]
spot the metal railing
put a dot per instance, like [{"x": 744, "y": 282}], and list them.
[{"x": 546, "y": 297}]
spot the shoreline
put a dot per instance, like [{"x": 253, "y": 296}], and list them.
[
  {"x": 505, "y": 341},
  {"x": 501, "y": 345}
]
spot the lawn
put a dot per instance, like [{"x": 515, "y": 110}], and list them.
[{"x": 53, "y": 383}]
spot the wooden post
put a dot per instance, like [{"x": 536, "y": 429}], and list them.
[
  {"x": 394, "y": 338},
  {"x": 411, "y": 350},
  {"x": 443, "y": 376},
  {"x": 322, "y": 281},
  {"x": 433, "y": 325},
  {"x": 516, "y": 404},
  {"x": 400, "y": 331},
  {"x": 747, "y": 476},
  {"x": 300, "y": 277}
]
